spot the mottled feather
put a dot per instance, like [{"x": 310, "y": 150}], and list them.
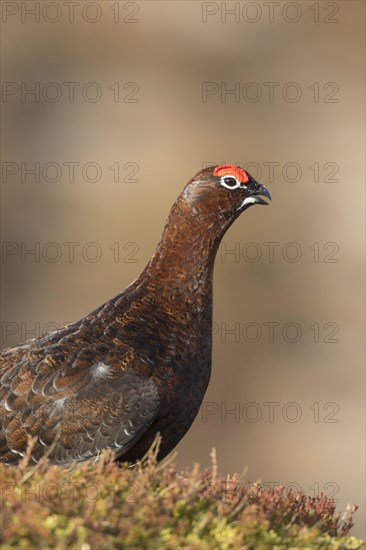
[{"x": 141, "y": 362}]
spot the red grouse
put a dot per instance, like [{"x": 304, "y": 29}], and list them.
[{"x": 141, "y": 362}]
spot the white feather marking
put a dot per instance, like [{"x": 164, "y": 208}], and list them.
[
  {"x": 59, "y": 403},
  {"x": 248, "y": 200},
  {"x": 7, "y": 408},
  {"x": 58, "y": 407},
  {"x": 100, "y": 370}
]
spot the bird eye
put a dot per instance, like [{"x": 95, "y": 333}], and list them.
[{"x": 230, "y": 182}]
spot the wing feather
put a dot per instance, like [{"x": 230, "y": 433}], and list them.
[{"x": 88, "y": 405}]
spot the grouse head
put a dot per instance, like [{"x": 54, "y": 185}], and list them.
[
  {"x": 223, "y": 192},
  {"x": 208, "y": 205}
]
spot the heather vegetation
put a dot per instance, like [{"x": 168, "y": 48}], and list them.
[{"x": 105, "y": 506}]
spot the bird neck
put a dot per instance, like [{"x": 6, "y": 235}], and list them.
[{"x": 181, "y": 269}]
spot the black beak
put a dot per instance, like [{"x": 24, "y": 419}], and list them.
[
  {"x": 255, "y": 192},
  {"x": 261, "y": 191}
]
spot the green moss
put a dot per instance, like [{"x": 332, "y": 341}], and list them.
[{"x": 104, "y": 505}]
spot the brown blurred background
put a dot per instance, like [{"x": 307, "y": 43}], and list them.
[{"x": 162, "y": 71}]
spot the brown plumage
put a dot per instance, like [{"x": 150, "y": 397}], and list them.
[{"x": 141, "y": 362}]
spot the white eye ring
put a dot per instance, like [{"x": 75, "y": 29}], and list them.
[{"x": 227, "y": 185}]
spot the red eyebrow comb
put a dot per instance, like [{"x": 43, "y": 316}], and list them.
[{"x": 230, "y": 170}]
